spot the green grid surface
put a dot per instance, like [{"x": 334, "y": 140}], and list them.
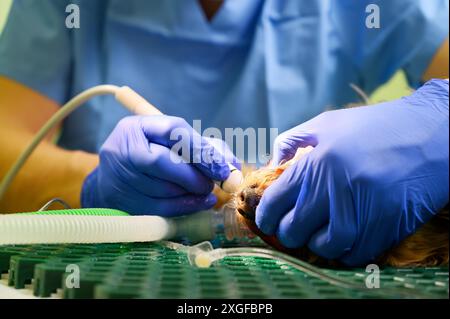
[{"x": 150, "y": 270}]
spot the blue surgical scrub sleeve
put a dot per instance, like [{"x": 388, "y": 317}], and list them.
[
  {"x": 409, "y": 34},
  {"x": 35, "y": 47}
]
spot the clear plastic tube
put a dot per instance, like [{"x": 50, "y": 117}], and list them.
[
  {"x": 203, "y": 255},
  {"x": 219, "y": 226},
  {"x": 58, "y": 229}
]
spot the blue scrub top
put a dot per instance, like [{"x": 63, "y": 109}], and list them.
[{"x": 257, "y": 64}]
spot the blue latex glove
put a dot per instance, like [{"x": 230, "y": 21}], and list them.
[
  {"x": 376, "y": 174},
  {"x": 140, "y": 174}
]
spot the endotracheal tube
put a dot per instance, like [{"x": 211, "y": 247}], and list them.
[{"x": 218, "y": 226}]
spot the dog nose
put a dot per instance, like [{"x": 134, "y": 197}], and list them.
[{"x": 249, "y": 199}]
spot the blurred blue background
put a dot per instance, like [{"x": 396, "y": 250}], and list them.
[{"x": 395, "y": 88}]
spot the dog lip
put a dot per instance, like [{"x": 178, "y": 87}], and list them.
[
  {"x": 242, "y": 212},
  {"x": 246, "y": 214}
]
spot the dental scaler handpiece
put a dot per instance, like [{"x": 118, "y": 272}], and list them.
[{"x": 233, "y": 181}]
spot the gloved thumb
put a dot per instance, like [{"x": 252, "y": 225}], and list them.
[
  {"x": 287, "y": 143},
  {"x": 306, "y": 134}
]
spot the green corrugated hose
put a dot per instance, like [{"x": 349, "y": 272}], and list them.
[{"x": 83, "y": 212}]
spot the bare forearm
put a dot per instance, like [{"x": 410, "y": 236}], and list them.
[
  {"x": 438, "y": 67},
  {"x": 50, "y": 172}
]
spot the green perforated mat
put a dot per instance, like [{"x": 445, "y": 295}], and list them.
[{"x": 145, "y": 270}]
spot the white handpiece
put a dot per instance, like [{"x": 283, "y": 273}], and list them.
[
  {"x": 231, "y": 184},
  {"x": 135, "y": 103}
]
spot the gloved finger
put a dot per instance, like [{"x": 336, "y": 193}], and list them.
[
  {"x": 306, "y": 134},
  {"x": 163, "y": 164},
  {"x": 367, "y": 245},
  {"x": 179, "y": 205},
  {"x": 287, "y": 143},
  {"x": 138, "y": 204},
  {"x": 337, "y": 237},
  {"x": 331, "y": 241},
  {"x": 150, "y": 185},
  {"x": 297, "y": 226},
  {"x": 309, "y": 214},
  {"x": 175, "y": 133},
  {"x": 362, "y": 252},
  {"x": 225, "y": 150},
  {"x": 280, "y": 197}
]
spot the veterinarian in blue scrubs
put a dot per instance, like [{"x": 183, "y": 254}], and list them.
[{"x": 375, "y": 175}]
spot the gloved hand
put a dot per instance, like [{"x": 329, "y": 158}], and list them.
[
  {"x": 376, "y": 174},
  {"x": 156, "y": 165}
]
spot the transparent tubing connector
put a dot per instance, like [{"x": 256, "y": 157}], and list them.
[{"x": 211, "y": 225}]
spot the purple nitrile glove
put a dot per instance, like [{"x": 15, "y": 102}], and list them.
[
  {"x": 375, "y": 175},
  {"x": 156, "y": 165}
]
